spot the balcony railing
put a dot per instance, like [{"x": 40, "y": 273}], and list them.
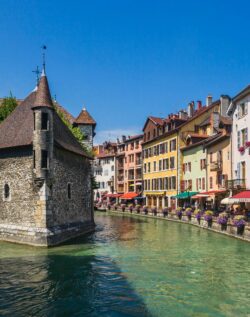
[
  {"x": 216, "y": 166},
  {"x": 236, "y": 184}
]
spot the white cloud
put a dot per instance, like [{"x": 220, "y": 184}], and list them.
[{"x": 112, "y": 135}]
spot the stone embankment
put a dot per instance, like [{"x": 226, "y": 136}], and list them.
[{"x": 230, "y": 229}]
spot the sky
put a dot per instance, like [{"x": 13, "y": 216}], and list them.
[{"x": 126, "y": 59}]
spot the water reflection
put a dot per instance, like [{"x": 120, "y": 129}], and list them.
[{"x": 128, "y": 267}]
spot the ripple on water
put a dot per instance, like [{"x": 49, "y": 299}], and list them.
[{"x": 129, "y": 267}]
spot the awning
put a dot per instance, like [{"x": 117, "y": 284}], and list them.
[
  {"x": 113, "y": 195},
  {"x": 185, "y": 195},
  {"x": 128, "y": 196},
  {"x": 214, "y": 192},
  {"x": 228, "y": 201},
  {"x": 200, "y": 196},
  {"x": 243, "y": 197}
]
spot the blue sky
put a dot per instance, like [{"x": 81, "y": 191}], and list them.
[{"x": 126, "y": 60}]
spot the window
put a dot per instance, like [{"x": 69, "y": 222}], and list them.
[
  {"x": 148, "y": 135},
  {"x": 160, "y": 165},
  {"x": 148, "y": 167},
  {"x": 172, "y": 162},
  {"x": 44, "y": 159},
  {"x": 173, "y": 145},
  {"x": 112, "y": 168},
  {"x": 154, "y": 166},
  {"x": 211, "y": 182},
  {"x": 34, "y": 159},
  {"x": 6, "y": 192},
  {"x": 45, "y": 121},
  {"x": 69, "y": 190},
  {"x": 203, "y": 183},
  {"x": 174, "y": 182},
  {"x": 242, "y": 109},
  {"x": 145, "y": 168}
]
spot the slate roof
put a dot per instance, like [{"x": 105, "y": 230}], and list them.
[
  {"x": 17, "y": 129},
  {"x": 85, "y": 118},
  {"x": 43, "y": 97}
]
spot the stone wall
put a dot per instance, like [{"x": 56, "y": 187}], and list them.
[{"x": 74, "y": 170}]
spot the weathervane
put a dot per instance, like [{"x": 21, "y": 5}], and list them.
[
  {"x": 44, "y": 47},
  {"x": 37, "y": 72}
]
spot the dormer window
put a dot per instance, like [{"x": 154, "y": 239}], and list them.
[{"x": 45, "y": 121}]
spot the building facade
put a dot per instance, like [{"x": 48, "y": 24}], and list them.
[
  {"x": 45, "y": 175},
  {"x": 160, "y": 148},
  {"x": 239, "y": 111},
  {"x": 129, "y": 165},
  {"x": 104, "y": 169}
]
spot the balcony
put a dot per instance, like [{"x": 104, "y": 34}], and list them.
[
  {"x": 236, "y": 184},
  {"x": 216, "y": 166}
]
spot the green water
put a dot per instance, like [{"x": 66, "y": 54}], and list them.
[{"x": 129, "y": 267}]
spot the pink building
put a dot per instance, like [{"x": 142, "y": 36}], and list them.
[{"x": 129, "y": 165}]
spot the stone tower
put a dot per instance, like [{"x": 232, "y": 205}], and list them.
[
  {"x": 43, "y": 132},
  {"x": 87, "y": 125}
]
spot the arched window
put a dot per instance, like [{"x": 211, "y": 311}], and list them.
[
  {"x": 6, "y": 192},
  {"x": 69, "y": 190}
]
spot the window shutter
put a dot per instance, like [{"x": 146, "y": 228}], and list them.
[
  {"x": 246, "y": 135},
  {"x": 246, "y": 107}
]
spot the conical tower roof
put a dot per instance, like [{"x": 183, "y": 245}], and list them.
[
  {"x": 43, "y": 97},
  {"x": 85, "y": 118}
]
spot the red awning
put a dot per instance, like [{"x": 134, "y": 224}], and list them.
[
  {"x": 243, "y": 197},
  {"x": 129, "y": 195}
]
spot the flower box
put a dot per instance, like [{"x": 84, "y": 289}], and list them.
[
  {"x": 247, "y": 143},
  {"x": 242, "y": 149}
]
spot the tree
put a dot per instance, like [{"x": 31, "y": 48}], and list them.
[{"x": 7, "y": 106}]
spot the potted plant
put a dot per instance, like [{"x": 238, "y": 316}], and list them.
[
  {"x": 208, "y": 216},
  {"x": 109, "y": 206},
  {"x": 154, "y": 211},
  {"x": 247, "y": 143},
  {"x": 123, "y": 207},
  {"x": 197, "y": 214},
  {"x": 138, "y": 208},
  {"x": 188, "y": 213},
  {"x": 239, "y": 222},
  {"x": 145, "y": 210},
  {"x": 165, "y": 212},
  {"x": 130, "y": 207},
  {"x": 222, "y": 220},
  {"x": 179, "y": 212},
  {"x": 116, "y": 206}
]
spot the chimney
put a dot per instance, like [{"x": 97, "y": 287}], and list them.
[
  {"x": 190, "y": 109},
  {"x": 215, "y": 121},
  {"x": 199, "y": 105},
  {"x": 209, "y": 100},
  {"x": 224, "y": 104},
  {"x": 182, "y": 114},
  {"x": 123, "y": 138}
]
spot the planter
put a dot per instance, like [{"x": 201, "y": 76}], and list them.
[
  {"x": 242, "y": 149},
  {"x": 240, "y": 230},
  {"x": 165, "y": 213},
  {"x": 123, "y": 209},
  {"x": 145, "y": 212},
  {"x": 223, "y": 227},
  {"x": 189, "y": 217},
  {"x": 199, "y": 220},
  {"x": 138, "y": 210},
  {"x": 209, "y": 223},
  {"x": 109, "y": 207},
  {"x": 179, "y": 217}
]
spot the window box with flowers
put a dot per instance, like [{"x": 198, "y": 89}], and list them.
[
  {"x": 138, "y": 208},
  {"x": 247, "y": 143},
  {"x": 165, "y": 212},
  {"x": 123, "y": 207},
  {"x": 241, "y": 149},
  {"x": 145, "y": 210}
]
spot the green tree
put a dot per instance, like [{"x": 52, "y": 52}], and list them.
[{"x": 7, "y": 106}]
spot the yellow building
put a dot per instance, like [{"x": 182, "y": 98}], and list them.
[{"x": 160, "y": 161}]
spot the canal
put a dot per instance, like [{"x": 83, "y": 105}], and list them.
[{"x": 130, "y": 266}]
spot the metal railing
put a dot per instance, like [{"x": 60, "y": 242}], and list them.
[{"x": 236, "y": 184}]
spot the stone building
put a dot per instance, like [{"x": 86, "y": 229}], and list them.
[
  {"x": 87, "y": 126},
  {"x": 45, "y": 175}
]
